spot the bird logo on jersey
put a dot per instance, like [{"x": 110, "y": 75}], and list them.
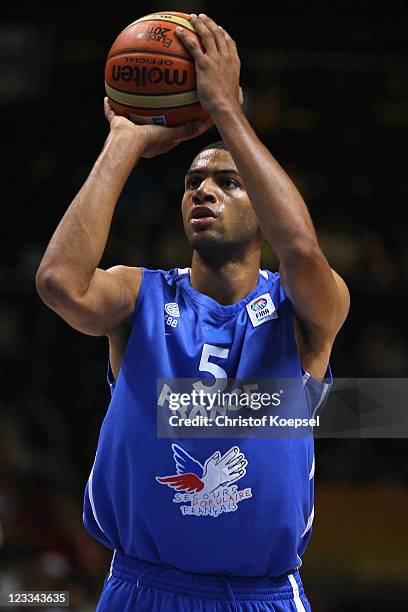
[{"x": 208, "y": 487}]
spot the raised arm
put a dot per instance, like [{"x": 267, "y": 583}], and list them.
[
  {"x": 319, "y": 296},
  {"x": 92, "y": 300}
]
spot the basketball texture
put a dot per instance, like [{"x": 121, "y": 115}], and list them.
[{"x": 150, "y": 76}]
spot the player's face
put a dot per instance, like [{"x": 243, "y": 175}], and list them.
[{"x": 217, "y": 213}]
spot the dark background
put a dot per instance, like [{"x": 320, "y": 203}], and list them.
[{"x": 327, "y": 93}]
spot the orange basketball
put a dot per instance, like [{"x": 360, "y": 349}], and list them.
[{"x": 150, "y": 76}]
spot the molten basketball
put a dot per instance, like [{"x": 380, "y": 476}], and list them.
[{"x": 150, "y": 76}]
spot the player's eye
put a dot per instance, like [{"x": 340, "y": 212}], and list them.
[
  {"x": 229, "y": 183},
  {"x": 193, "y": 182}
]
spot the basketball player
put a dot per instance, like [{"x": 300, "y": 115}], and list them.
[{"x": 200, "y": 524}]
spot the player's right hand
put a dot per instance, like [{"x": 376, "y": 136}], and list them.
[{"x": 156, "y": 138}]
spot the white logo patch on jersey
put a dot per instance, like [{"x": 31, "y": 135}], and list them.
[
  {"x": 172, "y": 309},
  {"x": 171, "y": 314},
  {"x": 207, "y": 490},
  {"x": 261, "y": 309}
]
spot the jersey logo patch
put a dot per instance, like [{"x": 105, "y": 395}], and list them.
[
  {"x": 261, "y": 309},
  {"x": 207, "y": 490},
  {"x": 171, "y": 314},
  {"x": 172, "y": 309}
]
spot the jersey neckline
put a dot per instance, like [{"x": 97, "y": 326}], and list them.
[{"x": 183, "y": 279}]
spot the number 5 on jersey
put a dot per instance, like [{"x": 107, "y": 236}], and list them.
[{"x": 220, "y": 375}]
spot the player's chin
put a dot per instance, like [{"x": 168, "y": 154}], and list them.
[
  {"x": 209, "y": 230},
  {"x": 203, "y": 239}
]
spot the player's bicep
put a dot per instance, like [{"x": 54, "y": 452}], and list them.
[
  {"x": 108, "y": 301},
  {"x": 319, "y": 296}
]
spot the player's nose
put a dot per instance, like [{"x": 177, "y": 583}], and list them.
[{"x": 203, "y": 196}]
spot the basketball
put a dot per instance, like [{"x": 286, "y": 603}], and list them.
[{"x": 150, "y": 76}]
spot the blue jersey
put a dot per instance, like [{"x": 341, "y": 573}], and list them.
[{"x": 149, "y": 497}]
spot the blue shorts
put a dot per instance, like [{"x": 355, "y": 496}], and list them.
[{"x": 134, "y": 585}]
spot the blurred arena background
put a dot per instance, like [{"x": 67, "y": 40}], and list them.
[{"x": 327, "y": 93}]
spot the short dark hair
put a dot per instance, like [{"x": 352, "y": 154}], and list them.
[{"x": 220, "y": 144}]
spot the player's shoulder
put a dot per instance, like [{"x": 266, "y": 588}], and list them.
[
  {"x": 130, "y": 276},
  {"x": 121, "y": 271},
  {"x": 272, "y": 279},
  {"x": 169, "y": 277},
  {"x": 138, "y": 279},
  {"x": 270, "y": 276},
  {"x": 133, "y": 275},
  {"x": 275, "y": 288}
]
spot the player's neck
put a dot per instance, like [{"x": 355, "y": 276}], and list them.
[{"x": 228, "y": 282}]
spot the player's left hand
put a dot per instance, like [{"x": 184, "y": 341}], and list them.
[{"x": 217, "y": 67}]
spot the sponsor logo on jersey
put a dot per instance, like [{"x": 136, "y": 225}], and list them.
[
  {"x": 261, "y": 310},
  {"x": 171, "y": 315},
  {"x": 172, "y": 309},
  {"x": 209, "y": 489},
  {"x": 259, "y": 304}
]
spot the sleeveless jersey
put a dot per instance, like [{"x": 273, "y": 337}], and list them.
[{"x": 150, "y": 497}]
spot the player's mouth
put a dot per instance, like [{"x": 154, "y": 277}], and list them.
[{"x": 202, "y": 216}]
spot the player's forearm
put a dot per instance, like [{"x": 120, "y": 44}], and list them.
[
  {"x": 280, "y": 209},
  {"x": 79, "y": 241}
]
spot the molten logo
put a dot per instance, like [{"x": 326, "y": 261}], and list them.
[
  {"x": 145, "y": 76},
  {"x": 259, "y": 304}
]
